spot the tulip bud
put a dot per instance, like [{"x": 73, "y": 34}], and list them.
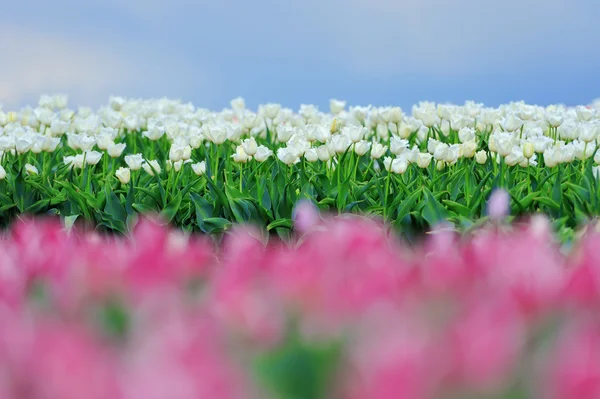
[
  {"x": 440, "y": 165},
  {"x": 123, "y": 174},
  {"x": 481, "y": 157},
  {"x": 2, "y": 173},
  {"x": 30, "y": 169},
  {"x": 528, "y": 149}
]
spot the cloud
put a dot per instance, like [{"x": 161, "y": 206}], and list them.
[
  {"x": 445, "y": 37},
  {"x": 36, "y": 63}
]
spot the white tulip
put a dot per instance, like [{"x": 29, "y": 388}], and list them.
[
  {"x": 115, "y": 150},
  {"x": 468, "y": 149},
  {"x": 311, "y": 155},
  {"x": 441, "y": 152},
  {"x": 156, "y": 130},
  {"x": 103, "y": 140},
  {"x": 584, "y": 114},
  {"x": 515, "y": 156},
  {"x": 124, "y": 175},
  {"x": 336, "y": 106},
  {"x": 2, "y": 173},
  {"x": 240, "y": 155},
  {"x": 93, "y": 157},
  {"x": 398, "y": 145},
  {"x": 466, "y": 134},
  {"x": 134, "y": 161},
  {"x": 362, "y": 147},
  {"x": 199, "y": 168},
  {"x": 588, "y": 132},
  {"x": 354, "y": 133},
  {"x": 387, "y": 164},
  {"x": 377, "y": 150},
  {"x": 50, "y": 143},
  {"x": 249, "y": 145},
  {"x": 216, "y": 134},
  {"x": 151, "y": 166},
  {"x": 286, "y": 156},
  {"x": 23, "y": 145},
  {"x": 382, "y": 131},
  {"x": 528, "y": 149},
  {"x": 284, "y": 133},
  {"x": 238, "y": 104},
  {"x": 481, "y": 157},
  {"x": 399, "y": 165},
  {"x": 30, "y": 169},
  {"x": 340, "y": 143},
  {"x": 424, "y": 159},
  {"x": 511, "y": 123},
  {"x": 323, "y": 153},
  {"x": 554, "y": 118},
  {"x": 262, "y": 153}
]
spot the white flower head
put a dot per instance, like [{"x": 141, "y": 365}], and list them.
[
  {"x": 199, "y": 168},
  {"x": 124, "y": 175},
  {"x": 151, "y": 166},
  {"x": 262, "y": 153},
  {"x": 115, "y": 150},
  {"x": 93, "y": 157},
  {"x": 134, "y": 162},
  {"x": 31, "y": 170}
]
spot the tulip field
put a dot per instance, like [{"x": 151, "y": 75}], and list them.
[
  {"x": 204, "y": 170},
  {"x": 152, "y": 249}
]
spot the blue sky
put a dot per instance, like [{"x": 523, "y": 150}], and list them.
[{"x": 377, "y": 52}]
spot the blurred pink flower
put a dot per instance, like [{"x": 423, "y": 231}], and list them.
[
  {"x": 499, "y": 204},
  {"x": 306, "y": 216}
]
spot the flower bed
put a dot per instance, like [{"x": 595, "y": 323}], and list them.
[
  {"x": 204, "y": 170},
  {"x": 343, "y": 310}
]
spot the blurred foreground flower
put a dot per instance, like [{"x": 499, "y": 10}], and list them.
[{"x": 348, "y": 312}]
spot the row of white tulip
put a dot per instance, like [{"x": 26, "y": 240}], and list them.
[{"x": 516, "y": 133}]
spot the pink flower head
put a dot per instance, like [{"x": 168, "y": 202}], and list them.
[
  {"x": 573, "y": 370},
  {"x": 499, "y": 205},
  {"x": 306, "y": 216}
]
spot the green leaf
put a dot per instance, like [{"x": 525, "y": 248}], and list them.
[
  {"x": 38, "y": 206},
  {"x": 458, "y": 208},
  {"x": 113, "y": 206},
  {"x": 407, "y": 205},
  {"x": 553, "y": 205},
  {"x": 168, "y": 214},
  {"x": 433, "y": 212},
  {"x": 143, "y": 209},
  {"x": 215, "y": 225},
  {"x": 286, "y": 223}
]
